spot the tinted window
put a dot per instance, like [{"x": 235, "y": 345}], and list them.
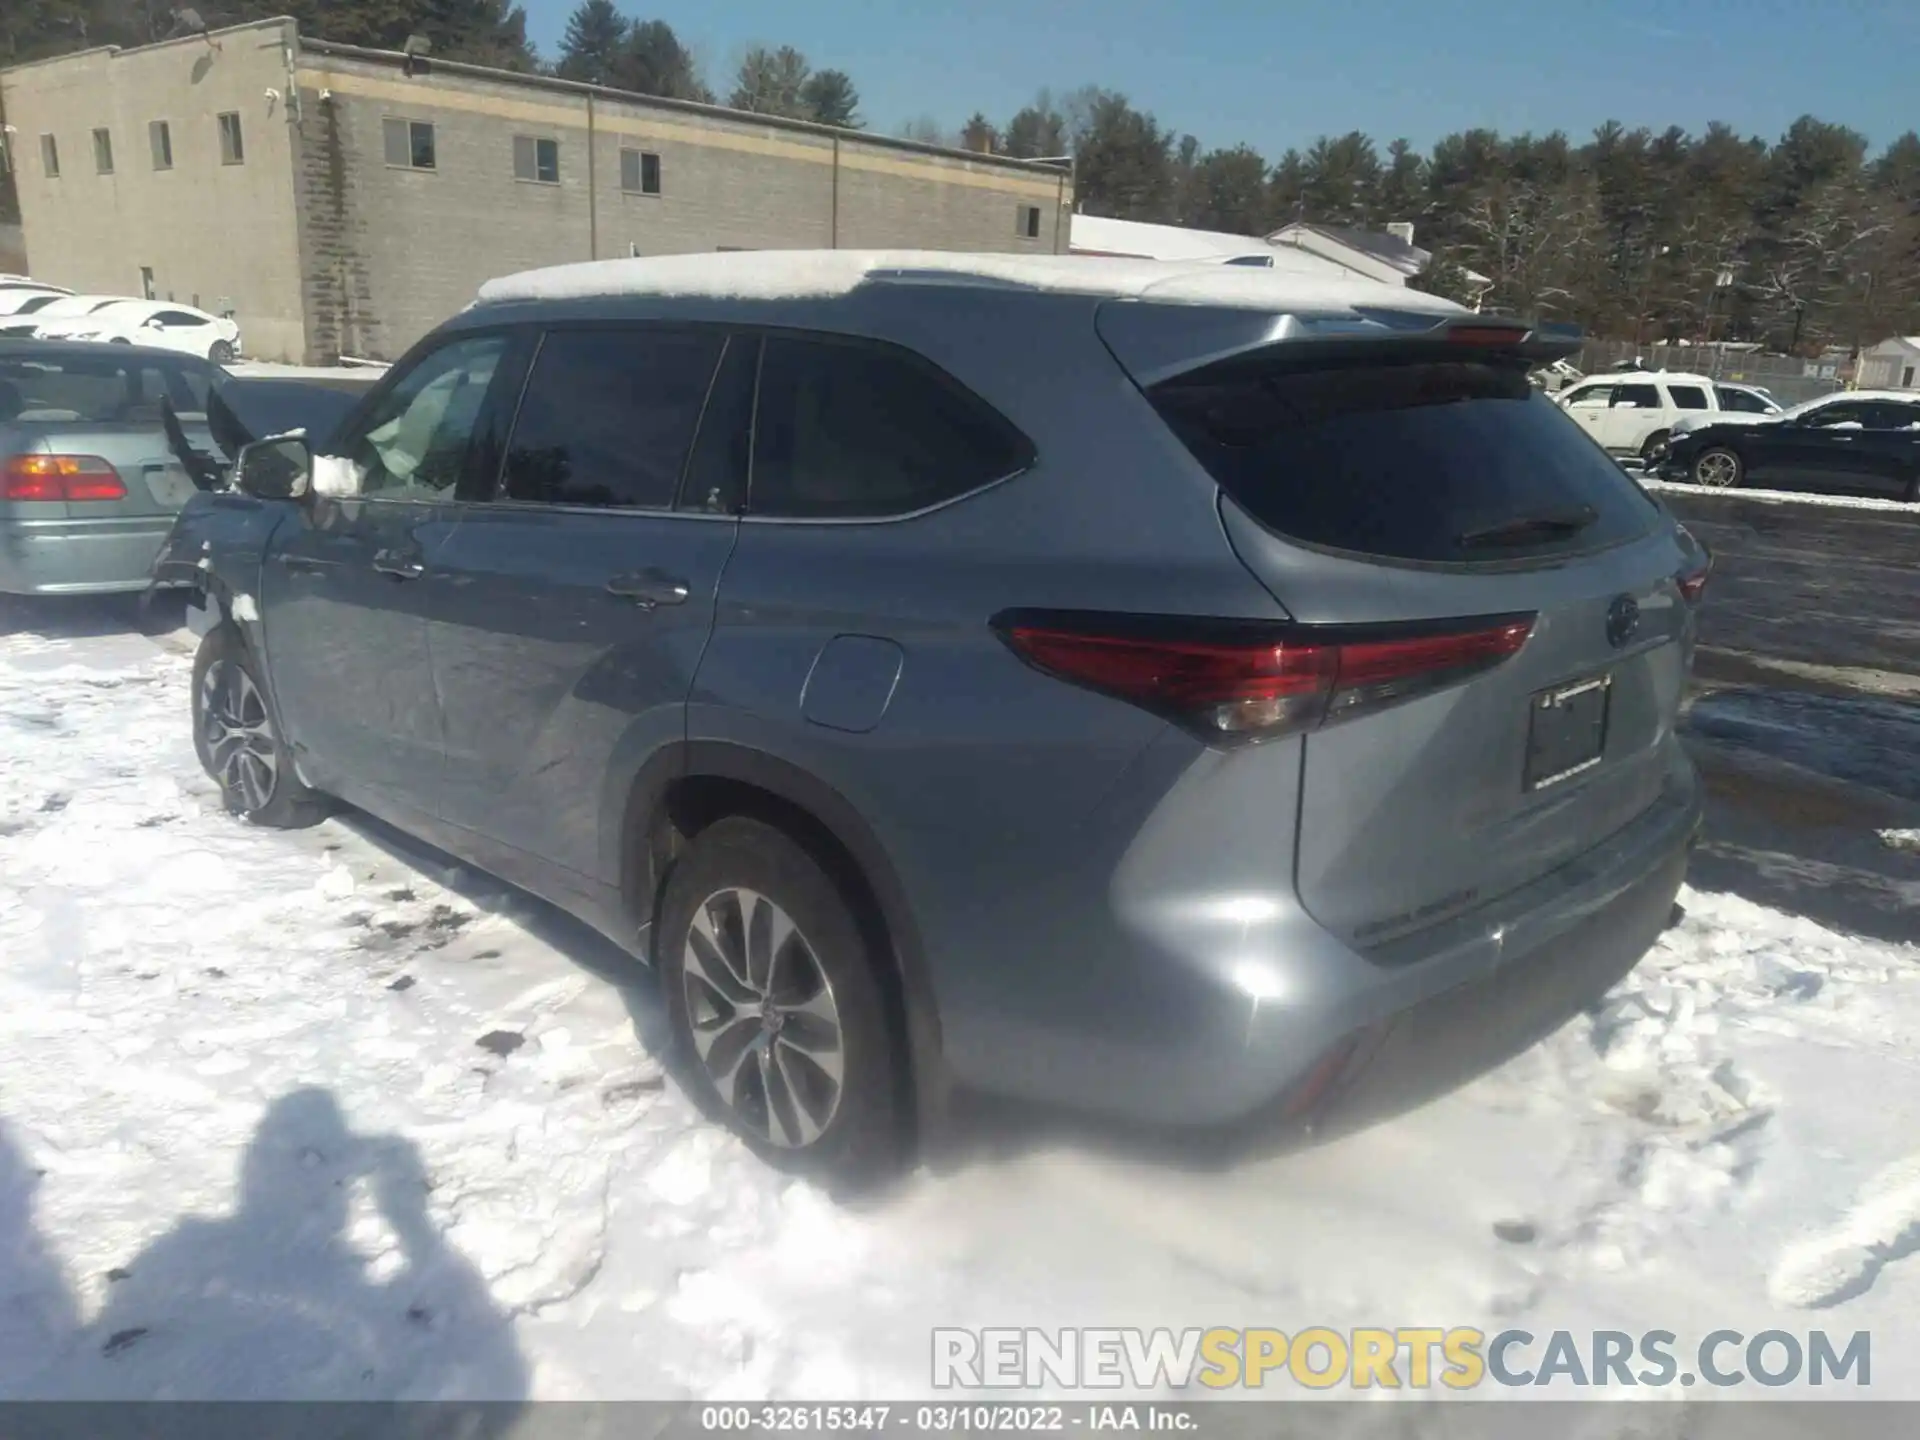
[
  {"x": 1688, "y": 397},
  {"x": 1891, "y": 415},
  {"x": 1404, "y": 460},
  {"x": 1744, "y": 401},
  {"x": 414, "y": 444},
  {"x": 609, "y": 416},
  {"x": 716, "y": 479},
  {"x": 1850, "y": 412},
  {"x": 863, "y": 430},
  {"x": 1640, "y": 397},
  {"x": 98, "y": 391}
]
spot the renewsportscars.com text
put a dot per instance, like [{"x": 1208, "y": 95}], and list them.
[{"x": 1404, "y": 1357}]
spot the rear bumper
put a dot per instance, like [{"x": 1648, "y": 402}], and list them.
[
  {"x": 79, "y": 557},
  {"x": 1241, "y": 1010}
]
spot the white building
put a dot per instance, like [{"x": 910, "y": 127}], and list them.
[{"x": 1891, "y": 365}]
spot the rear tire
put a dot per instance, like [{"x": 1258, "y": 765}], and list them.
[
  {"x": 776, "y": 1006},
  {"x": 221, "y": 353},
  {"x": 238, "y": 740},
  {"x": 1718, "y": 469}
]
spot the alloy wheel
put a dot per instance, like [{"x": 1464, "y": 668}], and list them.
[
  {"x": 763, "y": 1017},
  {"x": 239, "y": 736},
  {"x": 1716, "y": 468}
]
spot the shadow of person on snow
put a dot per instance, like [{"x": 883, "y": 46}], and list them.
[
  {"x": 328, "y": 1281},
  {"x": 37, "y": 1317}
]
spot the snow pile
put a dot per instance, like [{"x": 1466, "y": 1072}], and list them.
[
  {"x": 325, "y": 1114},
  {"x": 819, "y": 274},
  {"x": 1779, "y": 497}
]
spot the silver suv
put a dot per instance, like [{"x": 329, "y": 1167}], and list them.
[{"x": 1177, "y": 694}]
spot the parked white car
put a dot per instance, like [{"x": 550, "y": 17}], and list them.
[
  {"x": 25, "y": 323},
  {"x": 159, "y": 323},
  {"x": 13, "y": 298},
  {"x": 1634, "y": 412}
]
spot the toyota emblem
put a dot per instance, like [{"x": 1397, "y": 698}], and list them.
[{"x": 1623, "y": 620}]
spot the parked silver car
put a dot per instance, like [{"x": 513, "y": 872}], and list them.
[
  {"x": 90, "y": 480},
  {"x": 1194, "y": 695}
]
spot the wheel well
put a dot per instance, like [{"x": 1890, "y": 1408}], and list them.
[{"x": 692, "y": 803}]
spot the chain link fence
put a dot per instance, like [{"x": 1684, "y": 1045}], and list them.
[{"x": 1788, "y": 379}]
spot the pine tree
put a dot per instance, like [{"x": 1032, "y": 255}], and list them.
[{"x": 830, "y": 98}]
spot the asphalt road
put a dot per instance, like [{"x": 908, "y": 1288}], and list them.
[{"x": 1808, "y": 596}]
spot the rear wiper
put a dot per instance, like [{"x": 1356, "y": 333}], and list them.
[{"x": 1525, "y": 529}]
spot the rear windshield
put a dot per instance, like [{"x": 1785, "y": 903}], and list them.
[
  {"x": 1422, "y": 460},
  {"x": 98, "y": 390}
]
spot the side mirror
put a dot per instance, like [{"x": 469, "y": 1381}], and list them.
[{"x": 277, "y": 468}]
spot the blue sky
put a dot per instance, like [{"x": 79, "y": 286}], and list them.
[{"x": 1276, "y": 73}]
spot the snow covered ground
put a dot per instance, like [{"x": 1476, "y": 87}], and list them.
[
  {"x": 324, "y": 1114},
  {"x": 1778, "y": 497}
]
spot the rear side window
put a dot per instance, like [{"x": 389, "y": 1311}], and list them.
[
  {"x": 1636, "y": 397},
  {"x": 608, "y": 417},
  {"x": 1688, "y": 397},
  {"x": 98, "y": 392},
  {"x": 1744, "y": 401},
  {"x": 1421, "y": 460},
  {"x": 860, "y": 430}
]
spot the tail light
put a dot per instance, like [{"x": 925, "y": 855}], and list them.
[
  {"x": 1232, "y": 680},
  {"x": 1693, "y": 580},
  {"x": 60, "y": 478}
]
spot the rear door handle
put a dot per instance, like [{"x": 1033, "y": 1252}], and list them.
[
  {"x": 400, "y": 564},
  {"x": 649, "y": 588}
]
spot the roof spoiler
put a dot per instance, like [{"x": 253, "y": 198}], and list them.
[{"x": 1156, "y": 343}]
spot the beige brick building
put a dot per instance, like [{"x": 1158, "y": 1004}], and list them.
[{"x": 335, "y": 203}]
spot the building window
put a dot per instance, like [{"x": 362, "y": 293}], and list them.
[
  {"x": 146, "y": 282},
  {"x": 50, "y": 156},
  {"x": 639, "y": 172},
  {"x": 103, "y": 151},
  {"x": 160, "y": 137},
  {"x": 536, "y": 160},
  {"x": 1029, "y": 222},
  {"x": 233, "y": 149},
  {"x": 409, "y": 143}
]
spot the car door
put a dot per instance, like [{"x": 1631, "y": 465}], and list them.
[
  {"x": 1588, "y": 405},
  {"x": 347, "y": 578},
  {"x": 1636, "y": 412},
  {"x": 578, "y": 591},
  {"x": 1815, "y": 452},
  {"x": 1886, "y": 455}
]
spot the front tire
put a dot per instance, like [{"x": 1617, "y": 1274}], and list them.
[
  {"x": 238, "y": 740},
  {"x": 1654, "y": 448},
  {"x": 776, "y": 1005},
  {"x": 1718, "y": 469}
]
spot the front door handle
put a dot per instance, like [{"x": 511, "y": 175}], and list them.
[
  {"x": 649, "y": 588},
  {"x": 400, "y": 564}
]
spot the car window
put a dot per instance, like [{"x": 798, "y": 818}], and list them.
[
  {"x": 716, "y": 478},
  {"x": 1845, "y": 413},
  {"x": 858, "y": 430},
  {"x": 1688, "y": 397},
  {"x": 1744, "y": 401},
  {"x": 98, "y": 391},
  {"x": 1592, "y": 396},
  {"x": 1891, "y": 415},
  {"x": 414, "y": 445},
  {"x": 1637, "y": 397},
  {"x": 609, "y": 415},
  {"x": 1402, "y": 459},
  {"x": 179, "y": 317}
]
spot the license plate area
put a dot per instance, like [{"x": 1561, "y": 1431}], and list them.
[{"x": 1567, "y": 731}]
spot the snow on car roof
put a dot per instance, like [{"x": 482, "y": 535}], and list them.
[{"x": 816, "y": 274}]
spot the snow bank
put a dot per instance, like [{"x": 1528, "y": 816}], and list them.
[
  {"x": 810, "y": 274},
  {"x": 1782, "y": 497}
]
